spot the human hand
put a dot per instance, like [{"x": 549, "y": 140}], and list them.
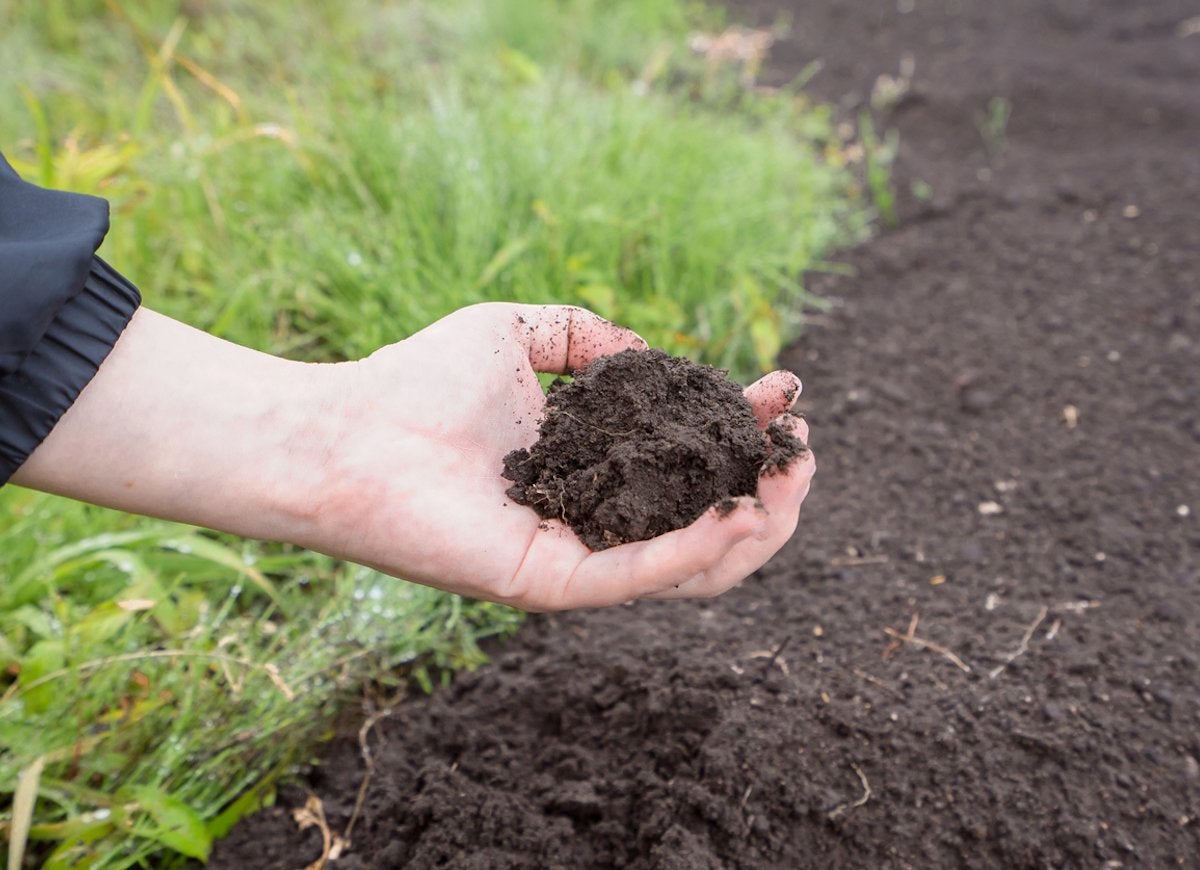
[
  {"x": 412, "y": 486},
  {"x": 393, "y": 461}
]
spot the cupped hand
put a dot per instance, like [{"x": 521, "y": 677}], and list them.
[{"x": 412, "y": 483}]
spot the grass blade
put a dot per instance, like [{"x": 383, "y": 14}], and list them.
[{"x": 24, "y": 799}]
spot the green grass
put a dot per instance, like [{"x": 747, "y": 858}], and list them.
[
  {"x": 317, "y": 180},
  {"x": 332, "y": 207},
  {"x": 160, "y": 664}
]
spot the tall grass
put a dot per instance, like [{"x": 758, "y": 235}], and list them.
[
  {"x": 476, "y": 151},
  {"x": 317, "y": 180},
  {"x": 674, "y": 221}
]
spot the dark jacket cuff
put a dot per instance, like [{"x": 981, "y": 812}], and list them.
[{"x": 51, "y": 377}]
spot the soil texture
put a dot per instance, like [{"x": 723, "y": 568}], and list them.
[
  {"x": 638, "y": 444},
  {"x": 982, "y": 646}
]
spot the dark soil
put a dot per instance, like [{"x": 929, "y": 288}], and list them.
[
  {"x": 982, "y": 647},
  {"x": 638, "y": 444}
]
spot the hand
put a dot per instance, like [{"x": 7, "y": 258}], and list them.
[
  {"x": 412, "y": 484},
  {"x": 393, "y": 461}
]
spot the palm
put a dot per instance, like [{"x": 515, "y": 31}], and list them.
[{"x": 435, "y": 416}]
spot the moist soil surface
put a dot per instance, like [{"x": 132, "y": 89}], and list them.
[
  {"x": 639, "y": 444},
  {"x": 982, "y": 646}
]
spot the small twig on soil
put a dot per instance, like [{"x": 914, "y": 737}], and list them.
[
  {"x": 364, "y": 748},
  {"x": 773, "y": 657},
  {"x": 1024, "y": 645},
  {"x": 1052, "y": 632},
  {"x": 870, "y": 678},
  {"x": 1075, "y": 606},
  {"x": 842, "y": 808},
  {"x": 313, "y": 814},
  {"x": 911, "y": 637},
  {"x": 552, "y": 499},
  {"x": 846, "y": 561},
  {"x": 593, "y": 425}
]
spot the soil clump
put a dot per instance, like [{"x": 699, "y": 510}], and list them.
[
  {"x": 638, "y": 444},
  {"x": 979, "y": 650}
]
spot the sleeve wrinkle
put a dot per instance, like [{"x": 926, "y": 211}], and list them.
[{"x": 62, "y": 308}]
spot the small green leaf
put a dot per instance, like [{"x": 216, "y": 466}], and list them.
[
  {"x": 44, "y": 657},
  {"x": 177, "y": 825},
  {"x": 212, "y": 551},
  {"x": 124, "y": 560},
  {"x": 40, "y": 576},
  {"x": 8, "y": 653},
  {"x": 76, "y": 827},
  {"x": 75, "y": 854},
  {"x": 101, "y": 623},
  {"x": 38, "y": 621},
  {"x": 251, "y": 802}
]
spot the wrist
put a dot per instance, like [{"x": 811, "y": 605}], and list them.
[
  {"x": 301, "y": 431},
  {"x": 180, "y": 425}
]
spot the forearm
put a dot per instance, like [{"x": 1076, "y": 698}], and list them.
[{"x": 184, "y": 426}]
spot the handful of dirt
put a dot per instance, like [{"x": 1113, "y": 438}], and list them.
[{"x": 641, "y": 443}]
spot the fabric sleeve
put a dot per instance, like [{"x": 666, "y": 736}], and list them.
[{"x": 62, "y": 308}]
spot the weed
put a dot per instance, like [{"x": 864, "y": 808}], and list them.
[
  {"x": 888, "y": 90},
  {"x": 993, "y": 124},
  {"x": 879, "y": 157}
]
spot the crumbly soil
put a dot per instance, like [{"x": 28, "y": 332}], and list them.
[
  {"x": 638, "y": 444},
  {"x": 982, "y": 646}
]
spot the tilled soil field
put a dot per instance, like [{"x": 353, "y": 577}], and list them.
[{"x": 982, "y": 647}]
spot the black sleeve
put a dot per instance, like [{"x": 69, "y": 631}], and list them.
[{"x": 62, "y": 308}]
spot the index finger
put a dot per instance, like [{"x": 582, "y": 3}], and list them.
[{"x": 564, "y": 338}]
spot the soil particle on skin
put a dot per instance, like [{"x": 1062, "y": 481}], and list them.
[
  {"x": 641, "y": 443},
  {"x": 784, "y": 447}
]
